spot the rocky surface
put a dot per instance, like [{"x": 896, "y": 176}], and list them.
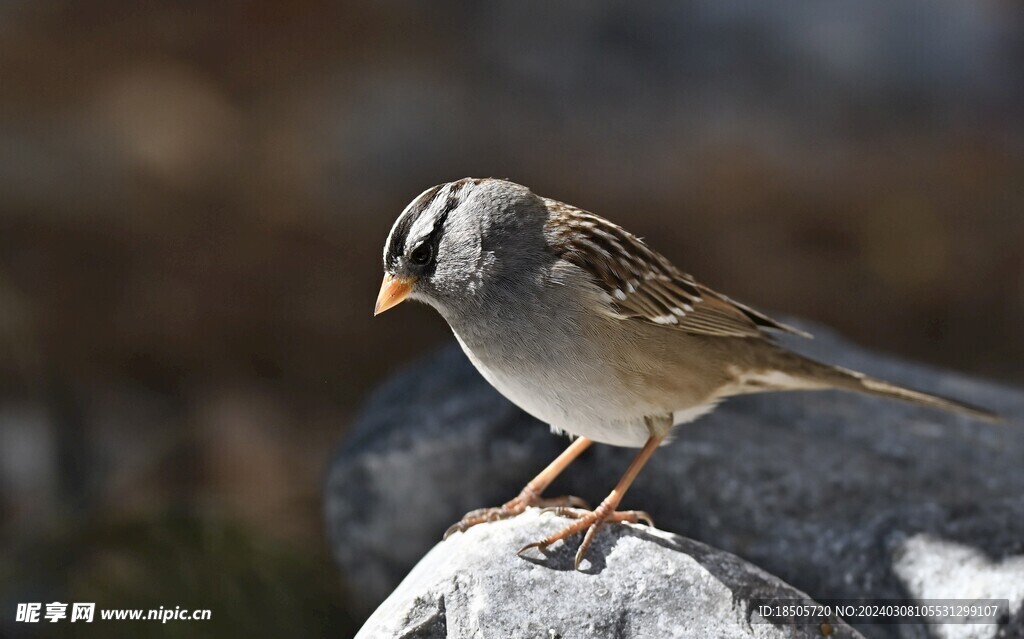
[
  {"x": 637, "y": 582},
  {"x": 837, "y": 494}
]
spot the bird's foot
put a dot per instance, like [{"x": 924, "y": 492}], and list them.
[
  {"x": 589, "y": 520},
  {"x": 513, "y": 507}
]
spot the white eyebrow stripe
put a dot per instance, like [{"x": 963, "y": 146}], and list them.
[
  {"x": 421, "y": 229},
  {"x": 424, "y": 225},
  {"x": 407, "y": 211}
]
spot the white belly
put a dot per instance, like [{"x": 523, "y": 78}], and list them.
[{"x": 600, "y": 412}]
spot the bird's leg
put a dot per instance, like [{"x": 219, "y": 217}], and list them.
[
  {"x": 530, "y": 495},
  {"x": 592, "y": 520}
]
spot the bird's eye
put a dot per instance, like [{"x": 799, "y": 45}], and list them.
[{"x": 421, "y": 255}]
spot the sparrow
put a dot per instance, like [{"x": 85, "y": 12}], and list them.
[{"x": 582, "y": 325}]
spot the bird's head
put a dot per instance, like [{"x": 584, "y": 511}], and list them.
[{"x": 455, "y": 240}]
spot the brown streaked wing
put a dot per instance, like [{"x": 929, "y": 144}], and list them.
[{"x": 643, "y": 285}]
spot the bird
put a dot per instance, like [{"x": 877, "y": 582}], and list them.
[{"x": 584, "y": 326}]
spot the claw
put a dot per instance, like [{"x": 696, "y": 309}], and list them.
[
  {"x": 585, "y": 544},
  {"x": 641, "y": 516},
  {"x": 589, "y": 521},
  {"x": 539, "y": 545},
  {"x": 478, "y": 516},
  {"x": 511, "y": 509},
  {"x": 454, "y": 528}
]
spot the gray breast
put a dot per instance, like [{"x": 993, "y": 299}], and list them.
[{"x": 549, "y": 355}]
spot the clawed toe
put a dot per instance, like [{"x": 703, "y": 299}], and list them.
[
  {"x": 619, "y": 516},
  {"x": 458, "y": 526},
  {"x": 567, "y": 511},
  {"x": 568, "y": 501},
  {"x": 480, "y": 516},
  {"x": 639, "y": 517},
  {"x": 511, "y": 509},
  {"x": 539, "y": 545},
  {"x": 589, "y": 521}
]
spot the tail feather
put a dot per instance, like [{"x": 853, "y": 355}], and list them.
[
  {"x": 809, "y": 374},
  {"x": 885, "y": 389}
]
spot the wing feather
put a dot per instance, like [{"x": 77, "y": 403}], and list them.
[{"x": 642, "y": 285}]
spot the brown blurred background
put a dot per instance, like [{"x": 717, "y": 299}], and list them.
[{"x": 194, "y": 197}]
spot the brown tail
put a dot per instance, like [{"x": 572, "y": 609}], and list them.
[{"x": 823, "y": 376}]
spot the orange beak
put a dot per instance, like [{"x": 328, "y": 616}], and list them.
[{"x": 393, "y": 291}]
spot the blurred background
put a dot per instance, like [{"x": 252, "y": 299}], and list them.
[{"x": 194, "y": 197}]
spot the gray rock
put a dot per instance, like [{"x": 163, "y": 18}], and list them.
[
  {"x": 824, "y": 490},
  {"x": 642, "y": 583}
]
